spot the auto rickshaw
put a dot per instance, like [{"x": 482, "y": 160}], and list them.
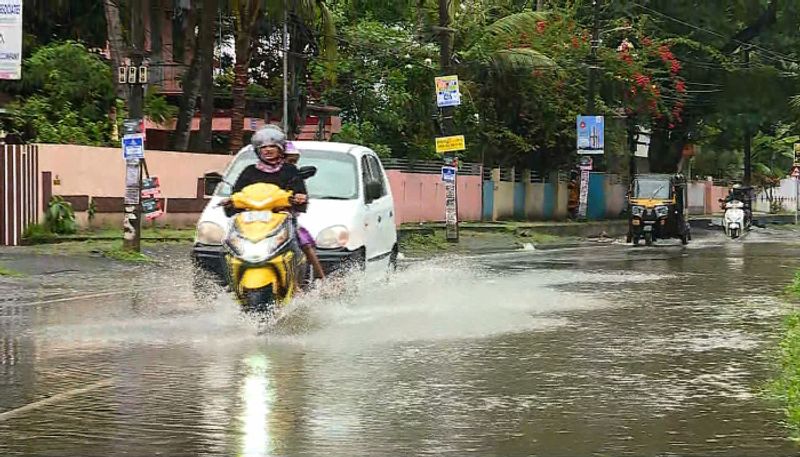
[{"x": 657, "y": 209}]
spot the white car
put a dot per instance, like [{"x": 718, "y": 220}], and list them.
[{"x": 350, "y": 212}]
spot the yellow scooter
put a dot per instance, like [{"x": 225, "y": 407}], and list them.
[{"x": 264, "y": 260}]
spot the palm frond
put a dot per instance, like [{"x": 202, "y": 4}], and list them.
[
  {"x": 522, "y": 59},
  {"x": 511, "y": 27}
]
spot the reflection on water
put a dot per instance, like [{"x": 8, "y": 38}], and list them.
[
  {"x": 609, "y": 350},
  {"x": 258, "y": 398}
]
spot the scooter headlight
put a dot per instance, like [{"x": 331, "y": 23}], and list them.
[
  {"x": 637, "y": 210},
  {"x": 662, "y": 211},
  {"x": 260, "y": 251}
]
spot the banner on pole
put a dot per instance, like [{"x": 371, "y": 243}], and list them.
[
  {"x": 591, "y": 136},
  {"x": 583, "y": 203}
]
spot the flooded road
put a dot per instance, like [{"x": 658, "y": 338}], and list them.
[{"x": 604, "y": 349}]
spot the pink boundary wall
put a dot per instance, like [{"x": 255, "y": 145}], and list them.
[
  {"x": 100, "y": 172},
  {"x": 419, "y": 197}
]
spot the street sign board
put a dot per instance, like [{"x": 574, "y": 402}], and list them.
[
  {"x": 642, "y": 142},
  {"x": 797, "y": 153},
  {"x": 448, "y": 174},
  {"x": 591, "y": 137},
  {"x": 447, "y": 92},
  {"x": 11, "y": 39},
  {"x": 795, "y": 171},
  {"x": 450, "y": 144},
  {"x": 133, "y": 146}
]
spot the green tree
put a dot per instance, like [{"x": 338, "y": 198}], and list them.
[{"x": 65, "y": 95}]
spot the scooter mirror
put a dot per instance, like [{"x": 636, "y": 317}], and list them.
[{"x": 307, "y": 171}]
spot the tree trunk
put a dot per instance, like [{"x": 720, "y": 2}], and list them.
[
  {"x": 246, "y": 24},
  {"x": 191, "y": 88},
  {"x": 206, "y": 53},
  {"x": 115, "y": 45},
  {"x": 239, "y": 101}
]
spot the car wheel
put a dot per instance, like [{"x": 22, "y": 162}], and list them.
[{"x": 393, "y": 259}]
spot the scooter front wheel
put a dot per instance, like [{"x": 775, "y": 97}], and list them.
[
  {"x": 260, "y": 300},
  {"x": 648, "y": 238}
]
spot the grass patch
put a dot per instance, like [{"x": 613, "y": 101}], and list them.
[
  {"x": 427, "y": 243},
  {"x": 119, "y": 254},
  {"x": 786, "y": 387},
  {"x": 9, "y": 273},
  {"x": 147, "y": 232},
  {"x": 793, "y": 289}
]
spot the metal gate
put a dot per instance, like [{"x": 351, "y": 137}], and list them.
[{"x": 19, "y": 191}]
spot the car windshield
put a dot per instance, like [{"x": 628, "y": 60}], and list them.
[
  {"x": 243, "y": 160},
  {"x": 336, "y": 178},
  {"x": 651, "y": 188}
]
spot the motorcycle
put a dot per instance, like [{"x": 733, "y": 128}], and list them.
[
  {"x": 734, "y": 219},
  {"x": 265, "y": 264}
]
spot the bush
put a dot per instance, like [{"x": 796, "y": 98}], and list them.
[
  {"x": 60, "y": 217},
  {"x": 37, "y": 234}
]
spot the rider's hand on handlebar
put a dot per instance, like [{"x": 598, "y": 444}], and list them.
[
  {"x": 299, "y": 199},
  {"x": 225, "y": 202}
]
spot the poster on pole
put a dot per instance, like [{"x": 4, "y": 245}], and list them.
[
  {"x": 11, "y": 39},
  {"x": 451, "y": 210},
  {"x": 591, "y": 136},
  {"x": 447, "y": 92},
  {"x": 583, "y": 202}
]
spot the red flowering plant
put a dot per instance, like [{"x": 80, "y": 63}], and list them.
[{"x": 649, "y": 75}]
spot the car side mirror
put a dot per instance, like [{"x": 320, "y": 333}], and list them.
[
  {"x": 374, "y": 191},
  {"x": 210, "y": 183},
  {"x": 307, "y": 172}
]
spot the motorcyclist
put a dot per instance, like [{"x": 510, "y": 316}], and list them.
[
  {"x": 269, "y": 145},
  {"x": 738, "y": 192}
]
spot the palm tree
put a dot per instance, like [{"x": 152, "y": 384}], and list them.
[{"x": 311, "y": 14}]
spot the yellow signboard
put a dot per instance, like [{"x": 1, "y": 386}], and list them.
[{"x": 450, "y": 144}]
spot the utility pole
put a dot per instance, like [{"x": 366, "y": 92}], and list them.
[
  {"x": 286, "y": 67},
  {"x": 748, "y": 136},
  {"x": 447, "y": 126},
  {"x": 590, "y": 106},
  {"x": 132, "y": 227}
]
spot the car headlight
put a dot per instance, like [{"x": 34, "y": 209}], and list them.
[
  {"x": 210, "y": 233},
  {"x": 637, "y": 210},
  {"x": 662, "y": 211},
  {"x": 333, "y": 237}
]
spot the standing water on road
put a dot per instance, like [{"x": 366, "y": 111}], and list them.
[{"x": 608, "y": 349}]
